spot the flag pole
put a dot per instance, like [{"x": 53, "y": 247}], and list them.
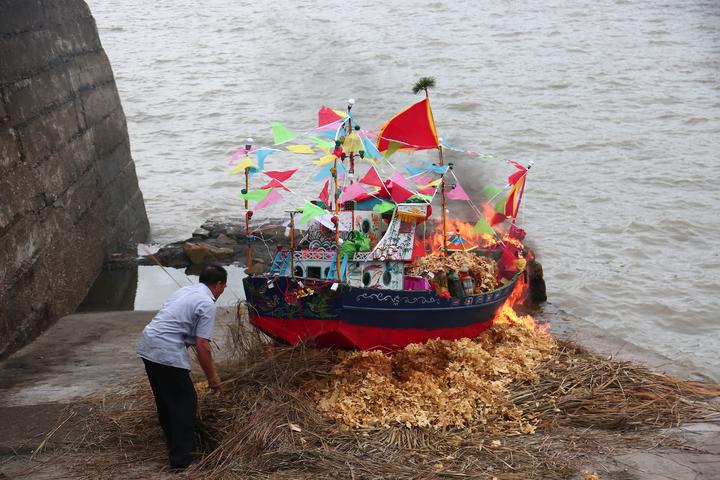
[
  {"x": 248, "y": 213},
  {"x": 292, "y": 244}
]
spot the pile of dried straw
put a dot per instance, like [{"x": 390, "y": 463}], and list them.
[
  {"x": 482, "y": 269},
  {"x": 465, "y": 409}
]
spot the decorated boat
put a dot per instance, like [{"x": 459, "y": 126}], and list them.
[{"x": 367, "y": 266}]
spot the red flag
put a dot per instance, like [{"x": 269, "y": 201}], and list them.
[
  {"x": 512, "y": 205},
  {"x": 400, "y": 194},
  {"x": 274, "y": 184},
  {"x": 280, "y": 176},
  {"x": 326, "y": 116},
  {"x": 413, "y": 128},
  {"x": 496, "y": 218},
  {"x": 372, "y": 178},
  {"x": 325, "y": 193},
  {"x": 512, "y": 179}
]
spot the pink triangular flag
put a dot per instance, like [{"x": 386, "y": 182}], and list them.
[
  {"x": 422, "y": 180},
  {"x": 352, "y": 192},
  {"x": 325, "y": 193},
  {"x": 372, "y": 178},
  {"x": 274, "y": 184},
  {"x": 398, "y": 179},
  {"x": 457, "y": 193},
  {"x": 428, "y": 191},
  {"x": 280, "y": 176},
  {"x": 272, "y": 198},
  {"x": 400, "y": 194}
]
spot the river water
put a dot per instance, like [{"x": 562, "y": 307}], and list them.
[{"x": 616, "y": 102}]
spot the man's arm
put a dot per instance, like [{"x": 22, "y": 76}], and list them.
[{"x": 206, "y": 362}]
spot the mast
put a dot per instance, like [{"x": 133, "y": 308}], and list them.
[
  {"x": 292, "y": 244},
  {"x": 248, "y": 213}
]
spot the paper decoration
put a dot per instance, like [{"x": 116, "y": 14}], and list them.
[
  {"x": 281, "y": 176},
  {"x": 310, "y": 211},
  {"x": 457, "y": 193},
  {"x": 255, "y": 195},
  {"x": 245, "y": 163},
  {"x": 414, "y": 127},
  {"x": 325, "y": 160},
  {"x": 414, "y": 170},
  {"x": 322, "y": 143},
  {"x": 500, "y": 205},
  {"x": 327, "y": 116},
  {"x": 280, "y": 133},
  {"x": 271, "y": 199},
  {"x": 398, "y": 179},
  {"x": 383, "y": 207},
  {"x": 482, "y": 226},
  {"x": 372, "y": 178},
  {"x": 439, "y": 169},
  {"x": 261, "y": 153},
  {"x": 325, "y": 172},
  {"x": 432, "y": 184},
  {"x": 491, "y": 191},
  {"x": 422, "y": 180},
  {"x": 352, "y": 192},
  {"x": 274, "y": 184},
  {"x": 428, "y": 191},
  {"x": 391, "y": 149},
  {"x": 307, "y": 149},
  {"x": 371, "y": 150},
  {"x": 400, "y": 194},
  {"x": 325, "y": 193},
  {"x": 512, "y": 204},
  {"x": 353, "y": 143},
  {"x": 423, "y": 197}
]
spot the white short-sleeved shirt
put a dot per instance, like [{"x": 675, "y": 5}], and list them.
[{"x": 188, "y": 313}]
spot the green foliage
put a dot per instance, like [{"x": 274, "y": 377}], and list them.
[{"x": 423, "y": 84}]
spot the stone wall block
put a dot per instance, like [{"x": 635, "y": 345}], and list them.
[
  {"x": 64, "y": 167},
  {"x": 109, "y": 133},
  {"x": 9, "y": 147},
  {"x": 89, "y": 70},
  {"x": 20, "y": 16},
  {"x": 115, "y": 164},
  {"x": 75, "y": 36},
  {"x": 19, "y": 194},
  {"x": 59, "y": 11},
  {"x": 26, "y": 53},
  {"x": 98, "y": 101},
  {"x": 29, "y": 97},
  {"x": 45, "y": 134},
  {"x": 3, "y": 110}
]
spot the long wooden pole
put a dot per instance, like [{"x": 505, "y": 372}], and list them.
[
  {"x": 444, "y": 209},
  {"x": 292, "y": 244},
  {"x": 337, "y": 218}
]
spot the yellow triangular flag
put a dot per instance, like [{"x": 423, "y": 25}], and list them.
[
  {"x": 434, "y": 183},
  {"x": 245, "y": 163},
  {"x": 325, "y": 160},
  {"x": 301, "y": 149}
]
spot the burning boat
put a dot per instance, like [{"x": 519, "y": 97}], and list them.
[{"x": 363, "y": 272}]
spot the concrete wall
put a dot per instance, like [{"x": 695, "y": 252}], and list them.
[{"x": 69, "y": 195}]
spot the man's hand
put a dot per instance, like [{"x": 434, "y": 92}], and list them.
[
  {"x": 215, "y": 384},
  {"x": 205, "y": 359}
]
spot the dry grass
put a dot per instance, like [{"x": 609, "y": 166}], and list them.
[{"x": 267, "y": 424}]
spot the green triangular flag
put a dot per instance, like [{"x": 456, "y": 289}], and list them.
[
  {"x": 500, "y": 205},
  {"x": 383, "y": 207},
  {"x": 422, "y": 196},
  {"x": 310, "y": 211},
  {"x": 392, "y": 148},
  {"x": 321, "y": 142},
  {"x": 280, "y": 133},
  {"x": 255, "y": 195},
  {"x": 482, "y": 226},
  {"x": 491, "y": 191}
]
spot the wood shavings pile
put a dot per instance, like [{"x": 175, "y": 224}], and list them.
[
  {"x": 438, "y": 384},
  {"x": 482, "y": 269}
]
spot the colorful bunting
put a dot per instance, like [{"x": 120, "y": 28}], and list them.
[
  {"x": 306, "y": 149},
  {"x": 428, "y": 191},
  {"x": 326, "y": 116},
  {"x": 322, "y": 143},
  {"x": 271, "y": 199},
  {"x": 240, "y": 167},
  {"x": 414, "y": 170},
  {"x": 500, "y": 205},
  {"x": 421, "y": 180},
  {"x": 400, "y": 194},
  {"x": 255, "y": 195},
  {"x": 310, "y": 211},
  {"x": 432, "y": 184},
  {"x": 483, "y": 227},
  {"x": 281, "y": 176},
  {"x": 325, "y": 160},
  {"x": 414, "y": 128},
  {"x": 372, "y": 178},
  {"x": 491, "y": 191},
  {"x": 325, "y": 193},
  {"x": 398, "y": 179},
  {"x": 439, "y": 169},
  {"x": 423, "y": 197},
  {"x": 458, "y": 193},
  {"x": 280, "y": 133},
  {"x": 371, "y": 150},
  {"x": 352, "y": 192},
  {"x": 262, "y": 153},
  {"x": 392, "y": 148},
  {"x": 383, "y": 207},
  {"x": 512, "y": 205},
  {"x": 325, "y": 172},
  {"x": 353, "y": 143},
  {"x": 274, "y": 184}
]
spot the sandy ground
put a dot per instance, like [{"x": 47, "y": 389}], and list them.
[{"x": 84, "y": 354}]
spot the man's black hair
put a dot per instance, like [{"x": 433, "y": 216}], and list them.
[{"x": 212, "y": 274}]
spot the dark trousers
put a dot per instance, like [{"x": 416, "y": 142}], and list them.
[{"x": 176, "y": 403}]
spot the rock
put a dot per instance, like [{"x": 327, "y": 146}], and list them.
[
  {"x": 202, "y": 253},
  {"x": 537, "y": 293},
  {"x": 222, "y": 238},
  {"x": 201, "y": 233}
]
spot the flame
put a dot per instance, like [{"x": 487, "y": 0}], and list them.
[
  {"x": 434, "y": 241},
  {"x": 508, "y": 314}
]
